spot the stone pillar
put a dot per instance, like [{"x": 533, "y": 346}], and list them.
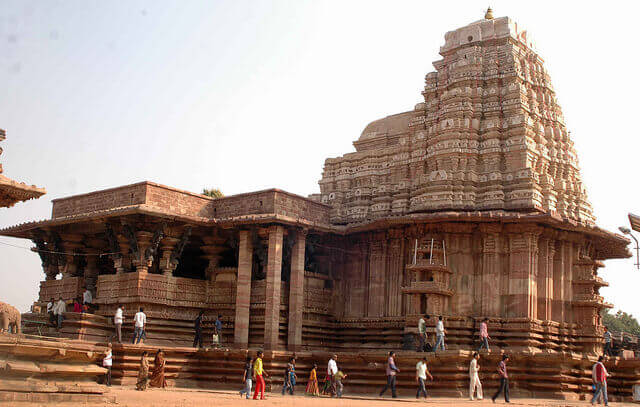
[
  {"x": 490, "y": 293},
  {"x": 167, "y": 246},
  {"x": 140, "y": 262},
  {"x": 122, "y": 261},
  {"x": 214, "y": 245},
  {"x": 523, "y": 252},
  {"x": 71, "y": 243},
  {"x": 91, "y": 272},
  {"x": 243, "y": 289},
  {"x": 557, "y": 304},
  {"x": 296, "y": 292},
  {"x": 545, "y": 278},
  {"x": 273, "y": 283}
]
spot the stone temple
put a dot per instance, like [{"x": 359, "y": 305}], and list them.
[{"x": 469, "y": 205}]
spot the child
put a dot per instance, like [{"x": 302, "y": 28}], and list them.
[
  {"x": 215, "y": 338},
  {"x": 247, "y": 378},
  {"x": 338, "y": 379},
  {"x": 290, "y": 377},
  {"x": 76, "y": 306},
  {"x": 107, "y": 362},
  {"x": 312, "y": 384}
]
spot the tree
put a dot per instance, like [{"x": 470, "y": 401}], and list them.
[
  {"x": 213, "y": 193},
  {"x": 621, "y": 322}
]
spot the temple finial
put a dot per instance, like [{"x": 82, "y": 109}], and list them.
[{"x": 489, "y": 14}]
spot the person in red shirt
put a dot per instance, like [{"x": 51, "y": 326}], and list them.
[
  {"x": 504, "y": 380},
  {"x": 76, "y": 306},
  {"x": 599, "y": 375}
]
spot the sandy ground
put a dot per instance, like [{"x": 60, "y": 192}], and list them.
[{"x": 202, "y": 398}]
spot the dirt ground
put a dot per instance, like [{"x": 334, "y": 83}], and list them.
[{"x": 173, "y": 397}]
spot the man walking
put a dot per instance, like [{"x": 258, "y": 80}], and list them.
[
  {"x": 197, "y": 339},
  {"x": 608, "y": 342},
  {"x": 59, "y": 309},
  {"x": 140, "y": 321},
  {"x": 474, "y": 379},
  {"x": 439, "y": 335},
  {"x": 599, "y": 375},
  {"x": 504, "y": 380},
  {"x": 392, "y": 370},
  {"x": 118, "y": 318},
  {"x": 421, "y": 377},
  {"x": 332, "y": 370},
  {"x": 484, "y": 335},
  {"x": 52, "y": 317},
  {"x": 422, "y": 332}
]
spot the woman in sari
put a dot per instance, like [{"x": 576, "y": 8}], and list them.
[
  {"x": 312, "y": 384},
  {"x": 143, "y": 373},
  {"x": 157, "y": 377}
]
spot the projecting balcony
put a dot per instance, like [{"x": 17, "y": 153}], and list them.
[
  {"x": 590, "y": 300},
  {"x": 427, "y": 287},
  {"x": 423, "y": 265}
]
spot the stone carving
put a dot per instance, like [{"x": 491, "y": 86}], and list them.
[
  {"x": 129, "y": 233},
  {"x": 114, "y": 247},
  {"x": 180, "y": 246},
  {"x": 10, "y": 319},
  {"x": 151, "y": 251}
]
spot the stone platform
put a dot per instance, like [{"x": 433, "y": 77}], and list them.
[
  {"x": 50, "y": 370},
  {"x": 555, "y": 375}
]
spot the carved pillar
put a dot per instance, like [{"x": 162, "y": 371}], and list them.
[
  {"x": 140, "y": 261},
  {"x": 91, "y": 271},
  {"x": 71, "y": 245},
  {"x": 167, "y": 246},
  {"x": 296, "y": 291},
  {"x": 545, "y": 278},
  {"x": 122, "y": 261},
  {"x": 273, "y": 283},
  {"x": 490, "y": 296},
  {"x": 243, "y": 289},
  {"x": 214, "y": 245},
  {"x": 523, "y": 251},
  {"x": 557, "y": 304}
]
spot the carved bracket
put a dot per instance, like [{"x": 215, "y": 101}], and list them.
[
  {"x": 41, "y": 246},
  {"x": 155, "y": 242},
  {"x": 180, "y": 246},
  {"x": 114, "y": 246},
  {"x": 130, "y": 234}
]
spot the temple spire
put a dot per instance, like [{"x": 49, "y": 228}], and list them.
[{"x": 489, "y": 14}]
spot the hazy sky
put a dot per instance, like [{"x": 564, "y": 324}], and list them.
[{"x": 246, "y": 95}]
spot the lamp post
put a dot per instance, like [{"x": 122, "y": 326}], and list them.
[{"x": 627, "y": 231}]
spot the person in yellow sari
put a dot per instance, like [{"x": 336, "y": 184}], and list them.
[
  {"x": 143, "y": 372},
  {"x": 312, "y": 384}
]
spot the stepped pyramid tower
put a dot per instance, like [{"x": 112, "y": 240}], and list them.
[{"x": 489, "y": 135}]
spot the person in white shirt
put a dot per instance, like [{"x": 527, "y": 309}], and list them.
[
  {"x": 421, "y": 377},
  {"x": 59, "y": 309},
  {"x": 87, "y": 298},
  {"x": 474, "y": 379},
  {"x": 118, "y": 319},
  {"x": 52, "y": 317},
  {"x": 332, "y": 369},
  {"x": 140, "y": 320},
  {"x": 108, "y": 362},
  {"x": 422, "y": 333},
  {"x": 439, "y": 335}
]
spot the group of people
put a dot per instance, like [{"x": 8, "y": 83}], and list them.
[
  {"x": 56, "y": 309},
  {"x": 139, "y": 325},
  {"x": 156, "y": 379},
  {"x": 217, "y": 331},
  {"x": 423, "y": 336}
]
